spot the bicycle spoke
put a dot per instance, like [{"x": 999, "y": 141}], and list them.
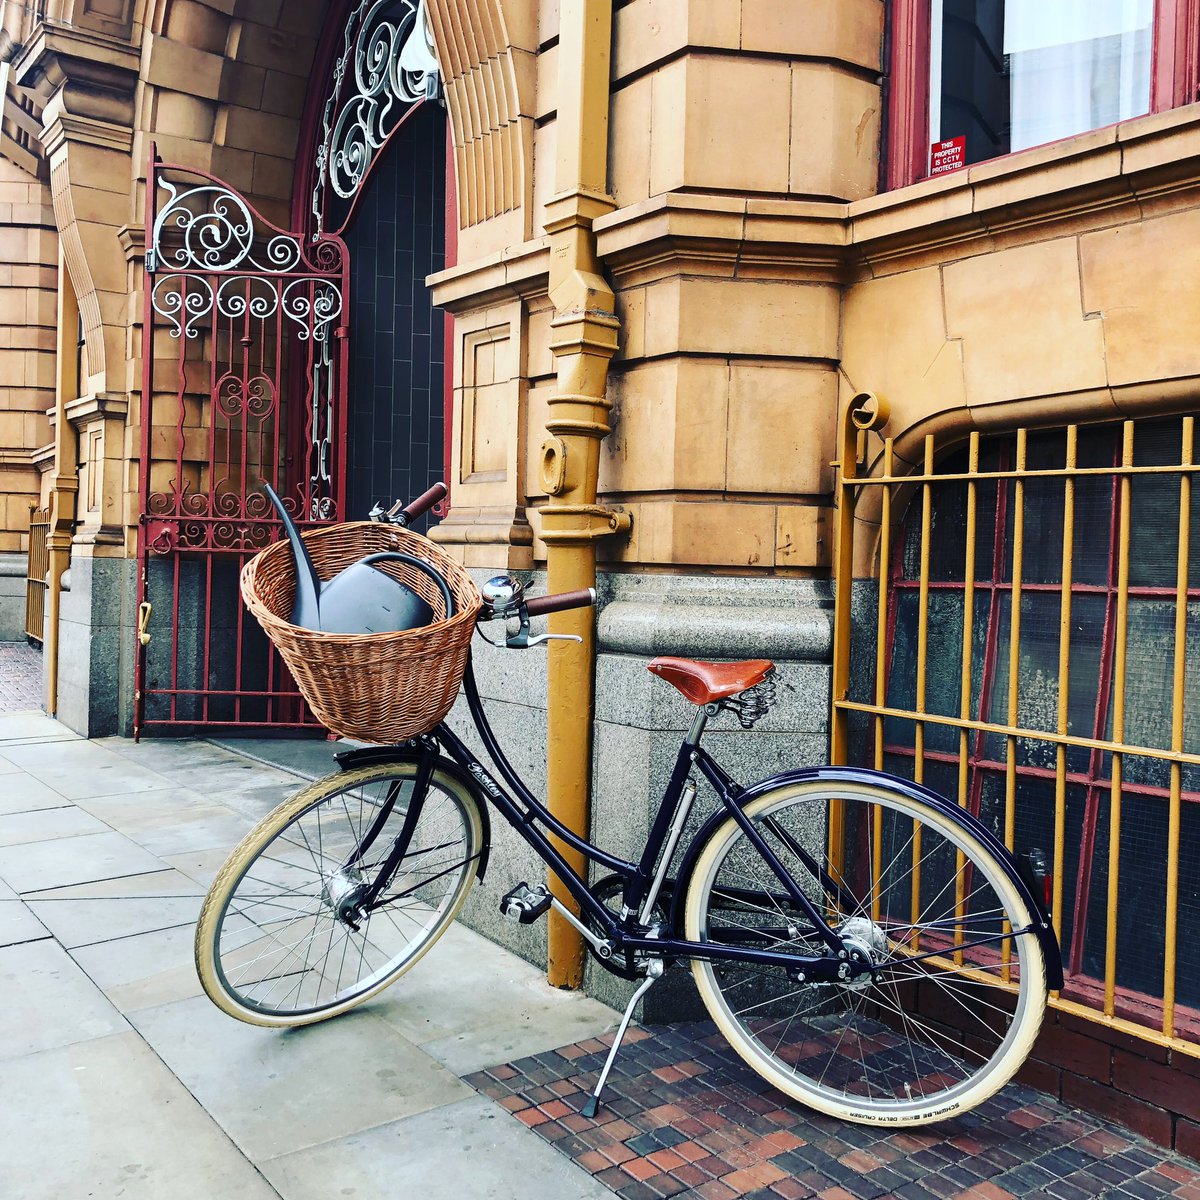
[
  {"x": 297, "y": 933},
  {"x": 928, "y": 1005}
]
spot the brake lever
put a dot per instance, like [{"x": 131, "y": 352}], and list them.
[{"x": 522, "y": 641}]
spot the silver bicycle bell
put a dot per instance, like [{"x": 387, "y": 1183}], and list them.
[
  {"x": 360, "y": 599},
  {"x": 502, "y": 595}
]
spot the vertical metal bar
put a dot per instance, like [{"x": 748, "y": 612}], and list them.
[
  {"x": 1091, "y": 808},
  {"x": 968, "y": 643},
  {"x": 1064, "y": 678},
  {"x": 843, "y": 589},
  {"x": 1180, "y": 669},
  {"x": 922, "y": 664},
  {"x": 881, "y": 648},
  {"x": 885, "y": 558},
  {"x": 1014, "y": 629},
  {"x": 1014, "y": 662},
  {"x": 205, "y": 679},
  {"x": 923, "y": 607},
  {"x": 1118, "y": 734},
  {"x": 151, "y": 216},
  {"x": 175, "y": 560}
]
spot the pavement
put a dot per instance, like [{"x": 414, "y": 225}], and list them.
[
  {"x": 20, "y": 676},
  {"x": 118, "y": 1078}
]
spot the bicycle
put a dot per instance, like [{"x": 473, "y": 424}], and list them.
[{"x": 865, "y": 945}]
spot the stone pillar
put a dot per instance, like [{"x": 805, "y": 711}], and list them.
[{"x": 85, "y": 82}]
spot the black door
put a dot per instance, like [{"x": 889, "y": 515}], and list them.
[{"x": 397, "y": 369}]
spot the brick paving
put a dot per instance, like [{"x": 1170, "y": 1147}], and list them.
[
  {"x": 683, "y": 1116},
  {"x": 20, "y": 677}
]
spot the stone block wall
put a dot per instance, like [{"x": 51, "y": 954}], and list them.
[
  {"x": 28, "y": 323},
  {"x": 640, "y": 721}
]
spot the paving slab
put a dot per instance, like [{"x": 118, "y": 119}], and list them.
[
  {"x": 20, "y": 792},
  {"x": 20, "y": 728},
  {"x": 219, "y": 779},
  {"x": 18, "y": 924},
  {"x": 105, "y": 1119},
  {"x": 83, "y": 914},
  {"x": 275, "y": 1092},
  {"x": 309, "y": 758},
  {"x": 39, "y": 866},
  {"x": 255, "y": 802},
  {"x": 201, "y": 866},
  {"x": 47, "y": 824},
  {"x": 48, "y": 1002},
  {"x": 471, "y": 1148},
  {"x": 145, "y": 970},
  {"x": 470, "y": 1005},
  {"x": 79, "y": 769},
  {"x": 170, "y": 821}
]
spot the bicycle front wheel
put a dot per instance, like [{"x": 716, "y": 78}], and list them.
[
  {"x": 285, "y": 937},
  {"x": 957, "y": 986}
]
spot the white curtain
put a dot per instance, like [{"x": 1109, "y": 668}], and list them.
[{"x": 1075, "y": 65}]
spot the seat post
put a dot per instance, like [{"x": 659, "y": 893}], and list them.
[{"x": 698, "y": 724}]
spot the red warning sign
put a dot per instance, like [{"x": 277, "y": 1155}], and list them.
[{"x": 947, "y": 156}]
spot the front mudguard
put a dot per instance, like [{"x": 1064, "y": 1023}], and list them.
[
  {"x": 412, "y": 752},
  {"x": 1042, "y": 927}
]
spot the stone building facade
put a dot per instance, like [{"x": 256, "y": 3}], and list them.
[{"x": 752, "y": 177}]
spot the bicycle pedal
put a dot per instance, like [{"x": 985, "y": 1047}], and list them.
[{"x": 525, "y": 904}]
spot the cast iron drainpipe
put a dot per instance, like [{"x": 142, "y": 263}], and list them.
[{"x": 583, "y": 341}]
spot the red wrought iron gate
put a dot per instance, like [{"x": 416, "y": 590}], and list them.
[{"x": 245, "y": 373}]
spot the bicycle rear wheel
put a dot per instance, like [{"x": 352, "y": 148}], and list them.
[
  {"x": 957, "y": 989},
  {"x": 283, "y": 938}
]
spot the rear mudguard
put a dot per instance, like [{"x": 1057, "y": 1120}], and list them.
[
  {"x": 365, "y": 756},
  {"x": 1042, "y": 927}
]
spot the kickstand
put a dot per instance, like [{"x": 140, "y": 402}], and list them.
[{"x": 653, "y": 975}]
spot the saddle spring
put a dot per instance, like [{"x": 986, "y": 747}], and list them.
[{"x": 754, "y": 703}]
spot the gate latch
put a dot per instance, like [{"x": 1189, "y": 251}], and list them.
[
  {"x": 161, "y": 536},
  {"x": 144, "y": 610}
]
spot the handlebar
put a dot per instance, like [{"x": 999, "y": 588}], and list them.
[
  {"x": 405, "y": 514},
  {"x": 423, "y": 503},
  {"x": 541, "y": 605}
]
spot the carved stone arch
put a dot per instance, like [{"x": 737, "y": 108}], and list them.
[{"x": 487, "y": 50}]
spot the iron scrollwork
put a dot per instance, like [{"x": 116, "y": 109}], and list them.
[{"x": 387, "y": 64}]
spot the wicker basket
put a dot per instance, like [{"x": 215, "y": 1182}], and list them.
[{"x": 376, "y": 687}]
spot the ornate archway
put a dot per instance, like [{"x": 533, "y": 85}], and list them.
[{"x": 248, "y": 375}]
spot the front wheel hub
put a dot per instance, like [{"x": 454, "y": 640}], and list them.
[{"x": 343, "y": 893}]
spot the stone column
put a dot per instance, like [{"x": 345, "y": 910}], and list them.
[{"x": 85, "y": 83}]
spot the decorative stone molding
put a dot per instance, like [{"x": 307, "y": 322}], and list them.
[
  {"x": 85, "y": 80},
  {"x": 84, "y": 74},
  {"x": 1028, "y": 196},
  {"x": 490, "y": 84},
  {"x": 802, "y": 240}
]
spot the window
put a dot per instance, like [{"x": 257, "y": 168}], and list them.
[{"x": 975, "y": 79}]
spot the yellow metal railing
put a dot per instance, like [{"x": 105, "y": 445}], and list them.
[
  {"x": 36, "y": 572},
  {"x": 1071, "y": 684}
]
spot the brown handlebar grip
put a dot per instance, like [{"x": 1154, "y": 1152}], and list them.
[
  {"x": 539, "y": 606},
  {"x": 424, "y": 502}
]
